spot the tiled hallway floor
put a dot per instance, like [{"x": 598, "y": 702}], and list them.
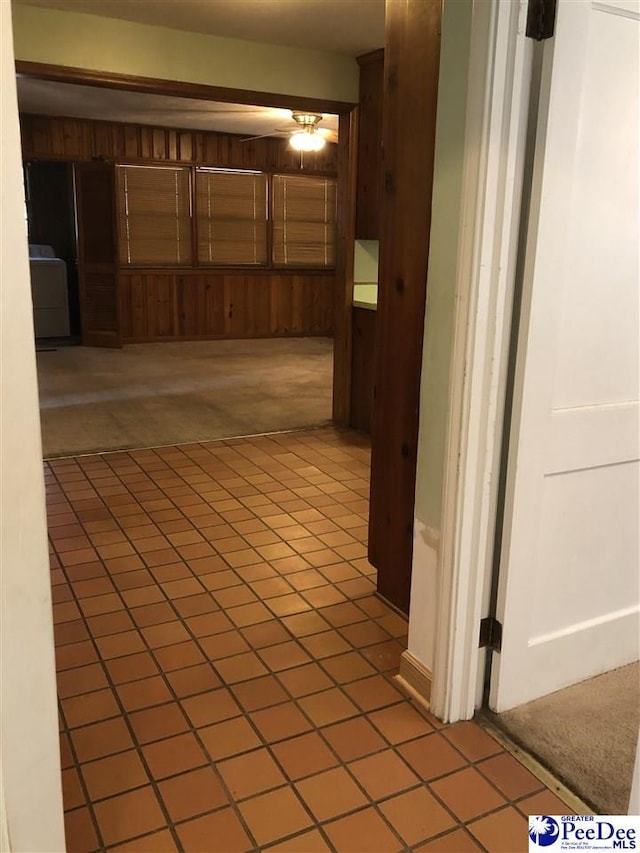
[{"x": 225, "y": 670}]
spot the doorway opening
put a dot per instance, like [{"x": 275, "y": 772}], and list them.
[
  {"x": 231, "y": 333},
  {"x": 50, "y": 211}
]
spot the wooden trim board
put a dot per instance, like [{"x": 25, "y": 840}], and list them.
[
  {"x": 415, "y": 679},
  {"x": 177, "y": 88}
]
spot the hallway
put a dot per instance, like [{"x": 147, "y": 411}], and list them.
[{"x": 225, "y": 672}]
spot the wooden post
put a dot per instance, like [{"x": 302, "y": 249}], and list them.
[{"x": 412, "y": 54}]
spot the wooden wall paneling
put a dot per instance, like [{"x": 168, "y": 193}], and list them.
[
  {"x": 297, "y": 322},
  {"x": 287, "y": 160},
  {"x": 149, "y": 306},
  {"x": 132, "y": 147},
  {"x": 117, "y": 135},
  {"x": 26, "y": 136},
  {"x": 273, "y": 154},
  {"x": 102, "y": 141},
  {"x": 46, "y": 137},
  {"x": 84, "y": 147},
  {"x": 250, "y": 314},
  {"x": 198, "y": 148},
  {"x": 202, "y": 305},
  {"x": 234, "y": 150},
  {"x": 259, "y": 293},
  {"x": 179, "y": 145},
  {"x": 161, "y": 305},
  {"x": 145, "y": 137},
  {"x": 314, "y": 302},
  {"x": 362, "y": 370},
  {"x": 211, "y": 154},
  {"x": 191, "y": 297},
  {"x": 185, "y": 146},
  {"x": 108, "y": 140},
  {"x": 282, "y": 304},
  {"x": 71, "y": 139},
  {"x": 236, "y": 306},
  {"x": 327, "y": 305},
  {"x": 135, "y": 288},
  {"x": 258, "y": 151},
  {"x": 412, "y": 49},
  {"x": 370, "y": 146},
  {"x": 215, "y": 303},
  {"x": 327, "y": 159},
  {"x": 343, "y": 299},
  {"x": 207, "y": 303},
  {"x": 159, "y": 144},
  {"x": 57, "y": 138},
  {"x": 126, "y": 321},
  {"x": 39, "y": 136},
  {"x": 309, "y": 306}
]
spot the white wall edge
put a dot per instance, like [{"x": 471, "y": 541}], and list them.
[{"x": 498, "y": 104}]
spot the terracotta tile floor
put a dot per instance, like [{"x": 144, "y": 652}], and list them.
[{"x": 225, "y": 670}]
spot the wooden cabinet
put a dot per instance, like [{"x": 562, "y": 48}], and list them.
[
  {"x": 362, "y": 367},
  {"x": 368, "y": 194}
]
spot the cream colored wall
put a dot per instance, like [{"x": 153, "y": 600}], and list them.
[
  {"x": 31, "y": 786},
  {"x": 122, "y": 47},
  {"x": 438, "y": 336}
]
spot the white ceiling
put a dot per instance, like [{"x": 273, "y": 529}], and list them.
[
  {"x": 350, "y": 27},
  {"x": 43, "y": 97}
]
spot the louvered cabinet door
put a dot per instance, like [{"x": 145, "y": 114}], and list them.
[{"x": 98, "y": 254}]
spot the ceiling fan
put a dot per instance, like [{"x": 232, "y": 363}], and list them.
[{"x": 304, "y": 133}]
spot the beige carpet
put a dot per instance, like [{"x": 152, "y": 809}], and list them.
[
  {"x": 586, "y": 735},
  {"x": 170, "y": 393}
]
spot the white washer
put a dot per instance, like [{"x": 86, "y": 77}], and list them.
[{"x": 49, "y": 293}]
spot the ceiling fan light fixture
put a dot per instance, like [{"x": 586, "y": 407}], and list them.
[{"x": 307, "y": 140}]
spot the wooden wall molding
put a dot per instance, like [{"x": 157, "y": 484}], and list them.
[{"x": 177, "y": 88}]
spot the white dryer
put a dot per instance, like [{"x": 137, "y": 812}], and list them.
[{"x": 49, "y": 292}]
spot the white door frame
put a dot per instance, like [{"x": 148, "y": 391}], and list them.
[{"x": 495, "y": 144}]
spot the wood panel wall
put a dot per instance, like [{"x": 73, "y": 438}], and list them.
[
  {"x": 53, "y": 138},
  {"x": 362, "y": 367},
  {"x": 195, "y": 305},
  {"x": 411, "y": 65},
  {"x": 370, "y": 146}
]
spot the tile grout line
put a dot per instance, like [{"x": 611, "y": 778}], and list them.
[
  {"x": 193, "y": 729},
  {"x": 274, "y": 673}
]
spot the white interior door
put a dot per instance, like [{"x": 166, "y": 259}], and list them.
[{"x": 569, "y": 579}]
